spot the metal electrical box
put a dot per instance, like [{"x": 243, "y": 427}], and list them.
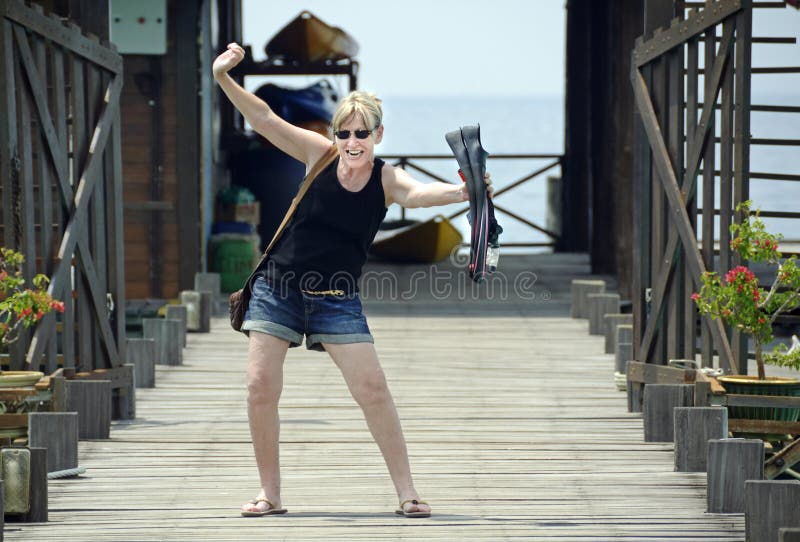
[{"x": 138, "y": 27}]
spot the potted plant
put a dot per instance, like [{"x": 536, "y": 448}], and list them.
[
  {"x": 739, "y": 300},
  {"x": 20, "y": 307}
]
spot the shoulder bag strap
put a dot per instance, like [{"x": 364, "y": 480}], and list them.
[{"x": 316, "y": 169}]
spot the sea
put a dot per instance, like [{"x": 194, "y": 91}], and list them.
[{"x": 535, "y": 125}]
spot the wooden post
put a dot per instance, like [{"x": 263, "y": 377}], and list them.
[
  {"x": 166, "y": 332},
  {"x": 770, "y": 505},
  {"x": 123, "y": 405},
  {"x": 611, "y": 321},
  {"x": 730, "y": 463},
  {"x": 694, "y": 426},
  {"x": 198, "y": 310},
  {"x": 635, "y": 391},
  {"x": 623, "y": 350},
  {"x": 579, "y": 290},
  {"x": 789, "y": 534},
  {"x": 659, "y": 402},
  {"x": 553, "y": 213},
  {"x": 178, "y": 312},
  {"x": 211, "y": 282},
  {"x": 57, "y": 432},
  {"x": 599, "y": 306},
  {"x": 142, "y": 354},
  {"x": 207, "y": 282},
  {"x": 24, "y": 473},
  {"x": 38, "y": 489},
  {"x": 91, "y": 399}
]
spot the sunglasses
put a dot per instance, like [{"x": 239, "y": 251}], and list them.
[{"x": 345, "y": 134}]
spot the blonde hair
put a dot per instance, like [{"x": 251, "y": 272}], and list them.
[{"x": 364, "y": 104}]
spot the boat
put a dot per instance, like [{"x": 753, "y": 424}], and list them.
[
  {"x": 309, "y": 40},
  {"x": 407, "y": 241}
]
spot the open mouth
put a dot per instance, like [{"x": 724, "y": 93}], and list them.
[{"x": 353, "y": 153}]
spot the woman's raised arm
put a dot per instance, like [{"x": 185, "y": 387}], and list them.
[{"x": 303, "y": 145}]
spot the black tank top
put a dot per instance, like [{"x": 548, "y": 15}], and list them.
[{"x": 325, "y": 244}]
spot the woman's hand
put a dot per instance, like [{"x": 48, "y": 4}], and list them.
[
  {"x": 227, "y": 60},
  {"x": 487, "y": 178}
]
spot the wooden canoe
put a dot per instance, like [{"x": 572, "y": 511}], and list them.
[
  {"x": 307, "y": 40},
  {"x": 421, "y": 242}
]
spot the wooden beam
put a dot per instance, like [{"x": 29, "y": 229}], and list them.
[
  {"x": 8, "y": 129},
  {"x": 680, "y": 31},
  {"x": 763, "y": 426},
  {"x": 187, "y": 148},
  {"x": 649, "y": 373},
  {"x": 53, "y": 29}
]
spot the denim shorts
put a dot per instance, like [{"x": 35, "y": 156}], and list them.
[{"x": 289, "y": 314}]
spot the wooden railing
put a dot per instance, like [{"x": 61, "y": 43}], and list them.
[
  {"x": 409, "y": 161},
  {"x": 61, "y": 184}
]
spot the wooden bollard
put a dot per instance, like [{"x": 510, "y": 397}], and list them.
[
  {"x": 579, "y": 290},
  {"x": 694, "y": 427},
  {"x": 91, "y": 399},
  {"x": 634, "y": 391},
  {"x": 610, "y": 324},
  {"x": 212, "y": 283},
  {"x": 142, "y": 354},
  {"x": 770, "y": 505},
  {"x": 123, "y": 398},
  {"x": 730, "y": 463},
  {"x": 166, "y": 332},
  {"x": 178, "y": 312},
  {"x": 659, "y": 402},
  {"x": 57, "y": 432},
  {"x": 38, "y": 509},
  {"x": 789, "y": 534},
  {"x": 198, "y": 310},
  {"x": 207, "y": 282},
  {"x": 623, "y": 351},
  {"x": 24, "y": 473},
  {"x": 599, "y": 306}
]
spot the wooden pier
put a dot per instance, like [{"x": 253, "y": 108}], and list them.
[{"x": 514, "y": 426}]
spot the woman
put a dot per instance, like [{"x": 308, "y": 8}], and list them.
[{"x": 308, "y": 286}]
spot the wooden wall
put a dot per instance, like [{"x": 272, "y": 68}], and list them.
[
  {"x": 160, "y": 148},
  {"x": 599, "y": 134}
]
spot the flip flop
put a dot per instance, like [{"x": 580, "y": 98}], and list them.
[
  {"x": 402, "y": 512},
  {"x": 271, "y": 511}
]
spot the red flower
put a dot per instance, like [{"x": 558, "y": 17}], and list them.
[
  {"x": 25, "y": 312},
  {"x": 39, "y": 314},
  {"x": 695, "y": 296},
  {"x": 756, "y": 295},
  {"x": 57, "y": 306}
]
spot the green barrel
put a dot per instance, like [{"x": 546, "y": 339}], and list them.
[{"x": 233, "y": 259}]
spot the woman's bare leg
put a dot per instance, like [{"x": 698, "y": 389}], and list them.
[
  {"x": 264, "y": 384},
  {"x": 365, "y": 379}
]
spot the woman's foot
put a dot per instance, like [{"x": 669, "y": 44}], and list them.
[
  {"x": 262, "y": 506},
  {"x": 414, "y": 508}
]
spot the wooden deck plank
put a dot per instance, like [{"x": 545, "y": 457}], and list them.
[{"x": 514, "y": 427}]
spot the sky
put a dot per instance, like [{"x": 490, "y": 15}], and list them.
[
  {"x": 471, "y": 47},
  {"x": 437, "y": 47}
]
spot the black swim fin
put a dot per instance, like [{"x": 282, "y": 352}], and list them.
[{"x": 471, "y": 157}]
